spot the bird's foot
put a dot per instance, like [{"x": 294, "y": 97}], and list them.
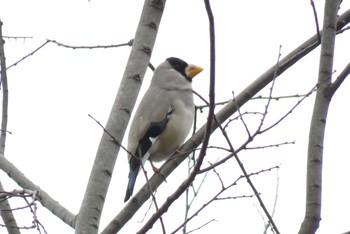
[
  {"x": 154, "y": 168},
  {"x": 157, "y": 170},
  {"x": 179, "y": 151}
]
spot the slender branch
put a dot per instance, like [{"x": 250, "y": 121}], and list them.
[
  {"x": 277, "y": 67},
  {"x": 114, "y": 140},
  {"x": 200, "y": 227},
  {"x": 343, "y": 30},
  {"x": 269, "y": 146},
  {"x": 217, "y": 197},
  {"x": 29, "y": 205},
  {"x": 153, "y": 198},
  {"x": 290, "y": 111},
  {"x": 330, "y": 91},
  {"x": 280, "y": 97},
  {"x": 129, "y": 43},
  {"x": 17, "y": 37},
  {"x": 250, "y": 138},
  {"x": 316, "y": 21},
  {"x": 195, "y": 193},
  {"x": 47, "y": 201},
  {"x": 201, "y": 107},
  {"x": 28, "y": 55}
]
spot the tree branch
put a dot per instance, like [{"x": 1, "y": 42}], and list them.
[
  {"x": 100, "y": 177},
  {"x": 318, "y": 122},
  {"x": 329, "y": 92},
  {"x": 316, "y": 21},
  {"x": 129, "y": 43},
  {"x": 223, "y": 189},
  {"x": 47, "y": 201},
  {"x": 7, "y": 216},
  {"x": 28, "y": 55}
]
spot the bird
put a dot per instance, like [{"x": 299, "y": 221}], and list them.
[{"x": 163, "y": 118}]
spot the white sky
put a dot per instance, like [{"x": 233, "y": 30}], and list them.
[{"x": 51, "y": 94}]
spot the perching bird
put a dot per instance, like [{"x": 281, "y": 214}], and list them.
[{"x": 163, "y": 118}]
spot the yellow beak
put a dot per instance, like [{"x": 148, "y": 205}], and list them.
[{"x": 192, "y": 70}]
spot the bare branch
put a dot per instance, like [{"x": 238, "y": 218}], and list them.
[
  {"x": 330, "y": 91},
  {"x": 316, "y": 21},
  {"x": 203, "y": 225},
  {"x": 17, "y": 37},
  {"x": 280, "y": 97},
  {"x": 153, "y": 198},
  {"x": 272, "y": 145},
  {"x": 223, "y": 189},
  {"x": 28, "y": 55},
  {"x": 114, "y": 140},
  {"x": 201, "y": 107},
  {"x": 290, "y": 111},
  {"x": 47, "y": 201},
  {"x": 129, "y": 43},
  {"x": 30, "y": 205},
  {"x": 343, "y": 30}
]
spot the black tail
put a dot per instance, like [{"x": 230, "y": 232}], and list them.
[{"x": 134, "y": 171}]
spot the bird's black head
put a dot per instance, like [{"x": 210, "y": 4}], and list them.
[{"x": 179, "y": 65}]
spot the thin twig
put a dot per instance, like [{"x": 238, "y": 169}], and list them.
[
  {"x": 316, "y": 21},
  {"x": 201, "y": 107},
  {"x": 270, "y": 146},
  {"x": 153, "y": 198},
  {"x": 30, "y": 54},
  {"x": 280, "y": 97},
  {"x": 290, "y": 111},
  {"x": 250, "y": 138},
  {"x": 329, "y": 92},
  {"x": 343, "y": 30},
  {"x": 223, "y": 189},
  {"x": 17, "y": 37},
  {"x": 242, "y": 119},
  {"x": 114, "y": 140},
  {"x": 129, "y": 43},
  {"x": 203, "y": 225}
]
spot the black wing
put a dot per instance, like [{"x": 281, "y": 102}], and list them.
[{"x": 153, "y": 131}]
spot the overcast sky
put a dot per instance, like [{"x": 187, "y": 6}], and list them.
[{"x": 51, "y": 93}]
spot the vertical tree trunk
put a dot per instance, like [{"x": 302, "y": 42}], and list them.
[
  {"x": 90, "y": 212},
  {"x": 318, "y": 123},
  {"x": 6, "y": 212}
]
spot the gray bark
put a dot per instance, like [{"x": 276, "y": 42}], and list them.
[
  {"x": 92, "y": 205},
  {"x": 6, "y": 212},
  {"x": 318, "y": 122}
]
